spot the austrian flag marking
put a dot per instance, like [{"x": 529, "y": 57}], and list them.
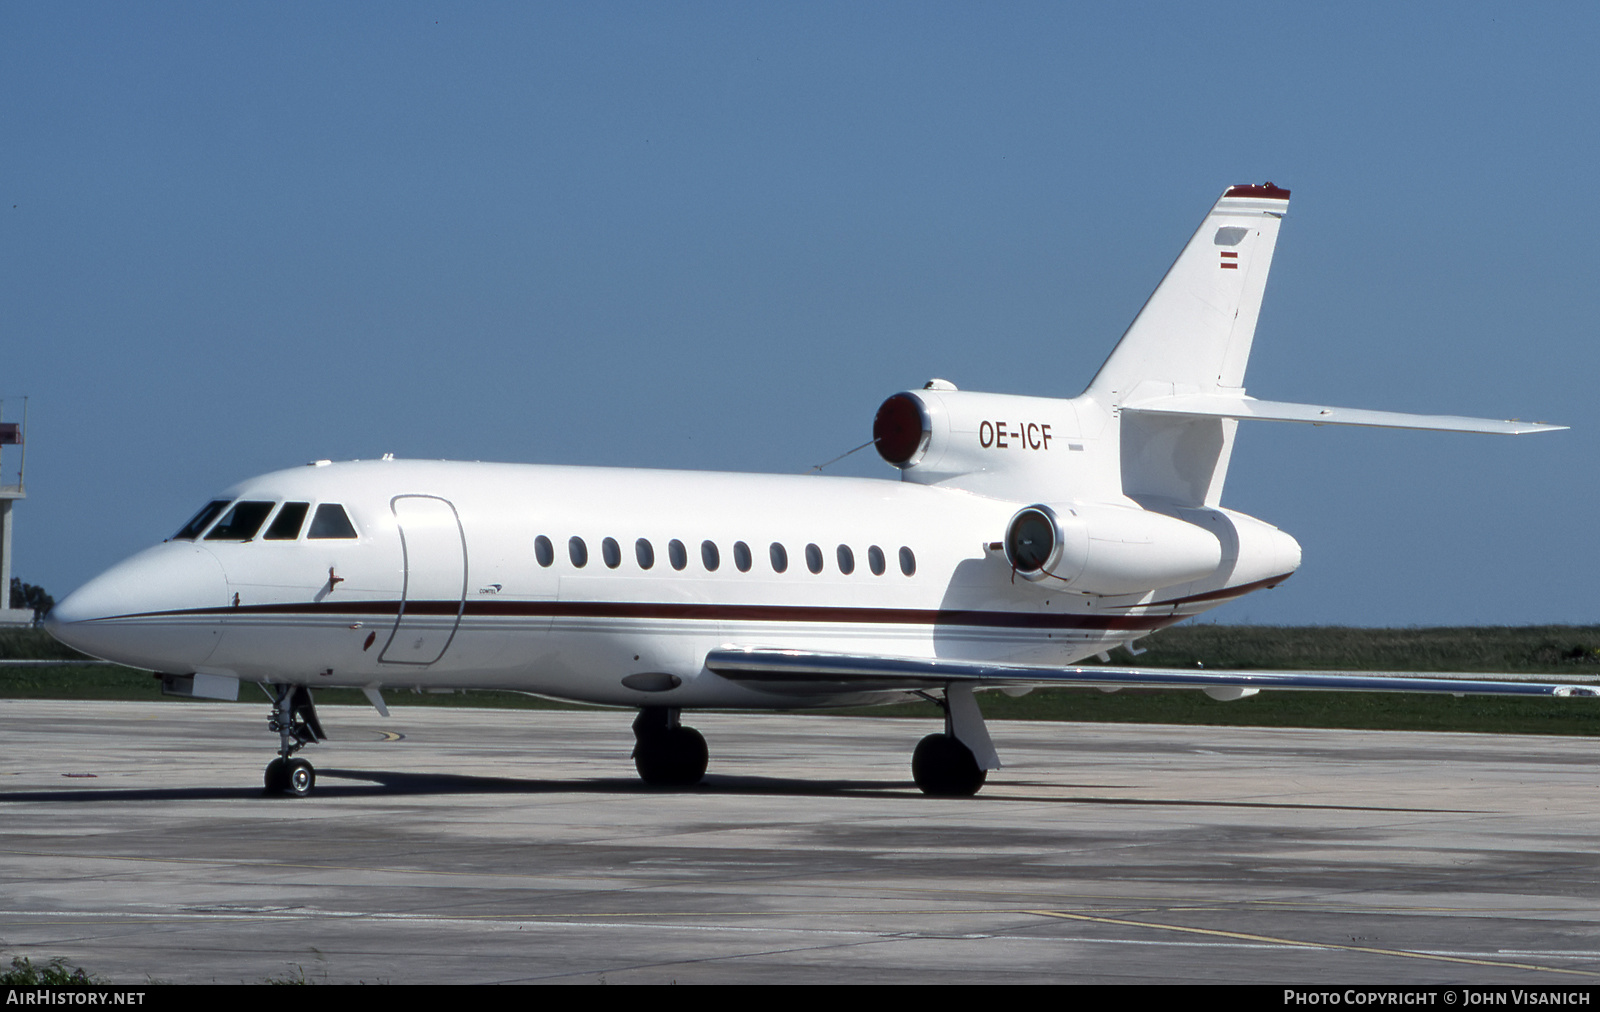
[{"x": 1230, "y": 260}]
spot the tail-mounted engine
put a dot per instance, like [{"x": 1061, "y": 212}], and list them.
[
  {"x": 1083, "y": 534},
  {"x": 997, "y": 444},
  {"x": 1101, "y": 549}
]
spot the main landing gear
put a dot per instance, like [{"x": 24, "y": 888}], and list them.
[
  {"x": 666, "y": 753},
  {"x": 953, "y": 764},
  {"x": 956, "y": 763},
  {"x": 943, "y": 766},
  {"x": 294, "y": 718}
]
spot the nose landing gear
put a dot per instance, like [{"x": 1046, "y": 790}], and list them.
[
  {"x": 292, "y": 776},
  {"x": 294, "y": 718}
]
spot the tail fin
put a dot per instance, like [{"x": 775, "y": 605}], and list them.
[{"x": 1193, "y": 336}]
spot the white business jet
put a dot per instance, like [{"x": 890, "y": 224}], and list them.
[{"x": 1025, "y": 535}]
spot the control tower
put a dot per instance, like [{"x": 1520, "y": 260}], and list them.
[{"x": 11, "y": 434}]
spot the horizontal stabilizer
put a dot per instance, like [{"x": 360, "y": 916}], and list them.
[
  {"x": 1224, "y": 406},
  {"x": 805, "y": 673}
]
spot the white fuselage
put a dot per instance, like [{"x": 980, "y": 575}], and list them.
[
  {"x": 1026, "y": 534},
  {"x": 443, "y": 584}
]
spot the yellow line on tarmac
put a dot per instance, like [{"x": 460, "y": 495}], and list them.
[{"x": 1246, "y": 936}]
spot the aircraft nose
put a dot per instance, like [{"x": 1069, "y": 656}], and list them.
[{"x": 141, "y": 612}]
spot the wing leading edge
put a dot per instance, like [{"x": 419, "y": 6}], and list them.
[{"x": 805, "y": 673}]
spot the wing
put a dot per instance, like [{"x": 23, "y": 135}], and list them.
[{"x": 806, "y": 673}]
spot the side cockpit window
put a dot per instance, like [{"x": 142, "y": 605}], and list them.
[
  {"x": 331, "y": 521},
  {"x": 200, "y": 521},
  {"x": 241, "y": 522},
  {"x": 286, "y": 525}
]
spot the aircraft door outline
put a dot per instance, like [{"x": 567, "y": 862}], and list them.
[{"x": 433, "y": 551}]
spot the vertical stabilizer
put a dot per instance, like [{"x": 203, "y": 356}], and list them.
[{"x": 1193, "y": 336}]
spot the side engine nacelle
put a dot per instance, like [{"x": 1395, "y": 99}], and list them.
[{"x": 1104, "y": 549}]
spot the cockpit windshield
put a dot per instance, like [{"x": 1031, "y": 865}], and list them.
[
  {"x": 241, "y": 522},
  {"x": 331, "y": 521},
  {"x": 244, "y": 522},
  {"x": 286, "y": 525},
  {"x": 200, "y": 521}
]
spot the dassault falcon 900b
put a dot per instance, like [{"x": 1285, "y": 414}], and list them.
[{"x": 1026, "y": 534}]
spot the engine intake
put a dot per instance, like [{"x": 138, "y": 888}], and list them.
[
  {"x": 1033, "y": 542},
  {"x": 901, "y": 430}
]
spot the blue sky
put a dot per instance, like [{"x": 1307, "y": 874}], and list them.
[{"x": 239, "y": 237}]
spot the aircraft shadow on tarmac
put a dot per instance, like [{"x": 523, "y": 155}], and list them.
[{"x": 336, "y": 784}]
